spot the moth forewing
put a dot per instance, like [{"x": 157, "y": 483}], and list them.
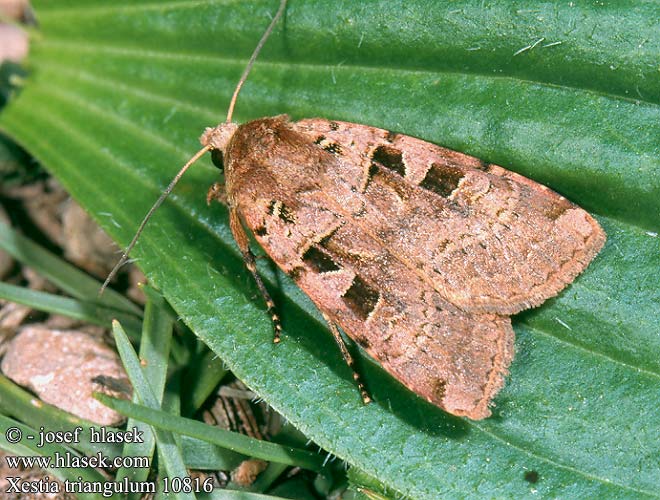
[
  {"x": 489, "y": 239},
  {"x": 386, "y": 233}
]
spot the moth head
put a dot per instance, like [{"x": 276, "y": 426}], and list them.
[{"x": 217, "y": 138}]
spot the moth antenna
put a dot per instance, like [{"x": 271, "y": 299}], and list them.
[
  {"x": 151, "y": 211},
  {"x": 199, "y": 153},
  {"x": 253, "y": 58}
]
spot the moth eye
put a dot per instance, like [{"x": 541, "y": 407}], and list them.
[
  {"x": 217, "y": 159},
  {"x": 390, "y": 158},
  {"x": 442, "y": 179},
  {"x": 531, "y": 476},
  {"x": 361, "y": 298},
  {"x": 319, "y": 261}
]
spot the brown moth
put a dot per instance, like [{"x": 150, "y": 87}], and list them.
[{"x": 418, "y": 253}]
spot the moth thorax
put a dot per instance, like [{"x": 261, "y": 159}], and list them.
[{"x": 218, "y": 138}]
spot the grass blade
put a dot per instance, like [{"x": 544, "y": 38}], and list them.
[
  {"x": 68, "y": 278},
  {"x": 154, "y": 352},
  {"x": 168, "y": 449},
  {"x": 237, "y": 442},
  {"x": 90, "y": 312}
]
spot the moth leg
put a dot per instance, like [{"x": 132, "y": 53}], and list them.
[
  {"x": 248, "y": 257},
  {"x": 349, "y": 359},
  {"x": 216, "y": 192}
]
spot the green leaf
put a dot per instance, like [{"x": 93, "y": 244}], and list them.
[
  {"x": 565, "y": 93},
  {"x": 170, "y": 453},
  {"x": 91, "y": 312}
]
